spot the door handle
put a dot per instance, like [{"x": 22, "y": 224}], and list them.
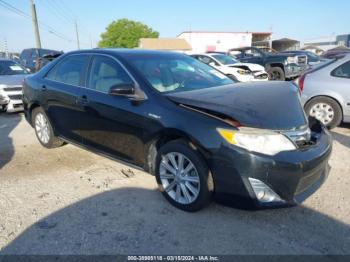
[
  {"x": 83, "y": 100},
  {"x": 43, "y": 88}
]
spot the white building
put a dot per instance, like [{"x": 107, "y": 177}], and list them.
[
  {"x": 202, "y": 41},
  {"x": 324, "y": 43}
]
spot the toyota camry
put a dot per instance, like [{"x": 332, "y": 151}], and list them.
[{"x": 200, "y": 134}]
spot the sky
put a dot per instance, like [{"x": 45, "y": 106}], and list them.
[{"x": 297, "y": 19}]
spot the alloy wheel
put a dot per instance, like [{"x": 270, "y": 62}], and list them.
[
  {"x": 323, "y": 112},
  {"x": 179, "y": 178},
  {"x": 42, "y": 128}
]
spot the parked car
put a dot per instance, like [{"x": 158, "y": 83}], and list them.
[
  {"x": 325, "y": 91},
  {"x": 32, "y": 58},
  {"x": 241, "y": 72},
  {"x": 279, "y": 66},
  {"x": 333, "y": 53},
  {"x": 11, "y": 77},
  {"x": 198, "y": 132}
]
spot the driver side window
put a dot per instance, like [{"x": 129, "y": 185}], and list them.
[{"x": 105, "y": 73}]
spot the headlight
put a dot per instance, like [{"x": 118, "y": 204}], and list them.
[
  {"x": 243, "y": 72},
  {"x": 291, "y": 60},
  {"x": 257, "y": 140}
]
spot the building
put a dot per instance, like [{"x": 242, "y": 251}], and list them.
[
  {"x": 329, "y": 42},
  {"x": 166, "y": 44},
  {"x": 285, "y": 44},
  {"x": 203, "y": 41}
]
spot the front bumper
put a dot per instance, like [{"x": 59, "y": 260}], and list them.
[
  {"x": 14, "y": 106},
  {"x": 293, "y": 175},
  {"x": 292, "y": 70}
]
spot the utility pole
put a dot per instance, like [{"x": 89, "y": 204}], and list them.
[
  {"x": 5, "y": 47},
  {"x": 77, "y": 33},
  {"x": 35, "y": 24}
]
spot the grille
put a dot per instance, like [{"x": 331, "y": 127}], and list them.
[
  {"x": 302, "y": 60},
  {"x": 301, "y": 138},
  {"x": 15, "y": 97},
  {"x": 15, "y": 88}
]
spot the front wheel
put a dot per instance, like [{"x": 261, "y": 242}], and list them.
[
  {"x": 276, "y": 74},
  {"x": 183, "y": 176},
  {"x": 43, "y": 129},
  {"x": 326, "y": 110}
]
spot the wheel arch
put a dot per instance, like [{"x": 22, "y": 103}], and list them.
[
  {"x": 164, "y": 137},
  {"x": 30, "y": 111},
  {"x": 269, "y": 66}
]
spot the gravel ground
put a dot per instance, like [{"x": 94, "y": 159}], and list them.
[{"x": 70, "y": 201}]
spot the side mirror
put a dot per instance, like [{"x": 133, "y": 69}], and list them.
[
  {"x": 212, "y": 64},
  {"x": 122, "y": 90}
]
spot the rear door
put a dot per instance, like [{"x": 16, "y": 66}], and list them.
[
  {"x": 341, "y": 77},
  {"x": 60, "y": 89},
  {"x": 111, "y": 124}
]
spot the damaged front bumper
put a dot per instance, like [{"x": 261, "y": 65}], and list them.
[{"x": 291, "y": 175}]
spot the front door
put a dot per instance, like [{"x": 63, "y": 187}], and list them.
[{"x": 112, "y": 124}]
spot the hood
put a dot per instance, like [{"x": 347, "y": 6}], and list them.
[
  {"x": 269, "y": 105},
  {"x": 12, "y": 80}
]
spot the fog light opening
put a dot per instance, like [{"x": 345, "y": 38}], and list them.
[{"x": 263, "y": 192}]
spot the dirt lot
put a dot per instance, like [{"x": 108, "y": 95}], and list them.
[{"x": 70, "y": 201}]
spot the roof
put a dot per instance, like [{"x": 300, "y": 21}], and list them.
[
  {"x": 285, "y": 40},
  {"x": 164, "y": 44}
]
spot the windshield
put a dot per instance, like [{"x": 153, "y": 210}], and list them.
[
  {"x": 11, "y": 68},
  {"x": 176, "y": 73},
  {"x": 225, "y": 59}
]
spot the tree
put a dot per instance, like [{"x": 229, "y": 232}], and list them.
[{"x": 125, "y": 33}]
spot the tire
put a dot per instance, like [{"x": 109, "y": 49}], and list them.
[
  {"x": 201, "y": 183},
  {"x": 49, "y": 140},
  {"x": 325, "y": 105},
  {"x": 276, "y": 74},
  {"x": 3, "y": 108}
]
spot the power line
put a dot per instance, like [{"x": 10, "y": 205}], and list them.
[
  {"x": 49, "y": 7},
  {"x": 41, "y": 24}
]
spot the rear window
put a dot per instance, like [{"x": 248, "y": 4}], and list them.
[{"x": 342, "y": 70}]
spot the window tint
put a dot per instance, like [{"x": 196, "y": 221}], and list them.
[
  {"x": 342, "y": 71},
  {"x": 105, "y": 73},
  {"x": 69, "y": 71}
]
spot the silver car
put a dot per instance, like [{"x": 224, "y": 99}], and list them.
[
  {"x": 11, "y": 76},
  {"x": 325, "y": 91}
]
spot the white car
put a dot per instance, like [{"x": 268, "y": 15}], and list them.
[{"x": 242, "y": 72}]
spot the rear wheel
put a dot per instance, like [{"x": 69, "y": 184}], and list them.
[
  {"x": 183, "y": 176},
  {"x": 276, "y": 74},
  {"x": 43, "y": 129},
  {"x": 326, "y": 110}
]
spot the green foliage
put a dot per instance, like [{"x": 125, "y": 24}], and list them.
[{"x": 125, "y": 33}]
